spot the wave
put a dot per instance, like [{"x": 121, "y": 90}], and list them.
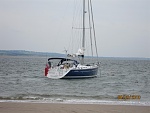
[
  {"x": 55, "y": 96},
  {"x": 71, "y": 99}
]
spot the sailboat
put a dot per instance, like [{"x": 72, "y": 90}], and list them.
[{"x": 70, "y": 68}]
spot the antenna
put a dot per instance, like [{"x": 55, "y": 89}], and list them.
[{"x": 65, "y": 50}]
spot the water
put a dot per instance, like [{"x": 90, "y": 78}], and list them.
[{"x": 22, "y": 80}]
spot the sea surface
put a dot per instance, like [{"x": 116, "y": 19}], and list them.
[{"x": 22, "y": 80}]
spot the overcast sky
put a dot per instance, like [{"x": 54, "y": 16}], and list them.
[{"x": 122, "y": 26}]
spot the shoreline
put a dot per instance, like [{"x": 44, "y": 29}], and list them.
[
  {"x": 102, "y": 102},
  {"x": 13, "y": 107}
]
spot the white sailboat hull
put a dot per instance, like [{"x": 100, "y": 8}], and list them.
[{"x": 72, "y": 73}]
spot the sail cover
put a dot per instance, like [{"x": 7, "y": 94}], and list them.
[{"x": 80, "y": 52}]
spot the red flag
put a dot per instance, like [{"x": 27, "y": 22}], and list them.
[{"x": 46, "y": 69}]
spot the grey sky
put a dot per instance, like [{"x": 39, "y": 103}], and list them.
[{"x": 122, "y": 26}]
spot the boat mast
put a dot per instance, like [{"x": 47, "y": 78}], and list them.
[
  {"x": 83, "y": 40},
  {"x": 93, "y": 29}
]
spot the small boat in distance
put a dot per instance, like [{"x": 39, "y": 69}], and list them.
[{"x": 68, "y": 67}]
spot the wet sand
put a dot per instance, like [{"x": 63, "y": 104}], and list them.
[{"x": 11, "y": 107}]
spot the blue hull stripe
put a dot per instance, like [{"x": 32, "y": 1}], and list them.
[{"x": 82, "y": 73}]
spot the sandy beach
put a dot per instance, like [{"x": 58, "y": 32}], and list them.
[{"x": 6, "y": 107}]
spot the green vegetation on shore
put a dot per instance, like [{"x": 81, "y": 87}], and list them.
[{"x": 28, "y": 53}]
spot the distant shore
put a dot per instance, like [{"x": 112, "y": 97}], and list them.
[
  {"x": 28, "y": 53},
  {"x": 10, "y": 107},
  {"x": 52, "y": 54}
]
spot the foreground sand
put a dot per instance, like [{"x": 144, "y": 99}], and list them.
[{"x": 69, "y": 108}]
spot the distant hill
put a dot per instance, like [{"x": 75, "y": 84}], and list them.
[
  {"x": 49, "y": 54},
  {"x": 29, "y": 53}
]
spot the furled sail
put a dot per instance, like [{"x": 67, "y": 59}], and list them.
[{"x": 80, "y": 52}]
